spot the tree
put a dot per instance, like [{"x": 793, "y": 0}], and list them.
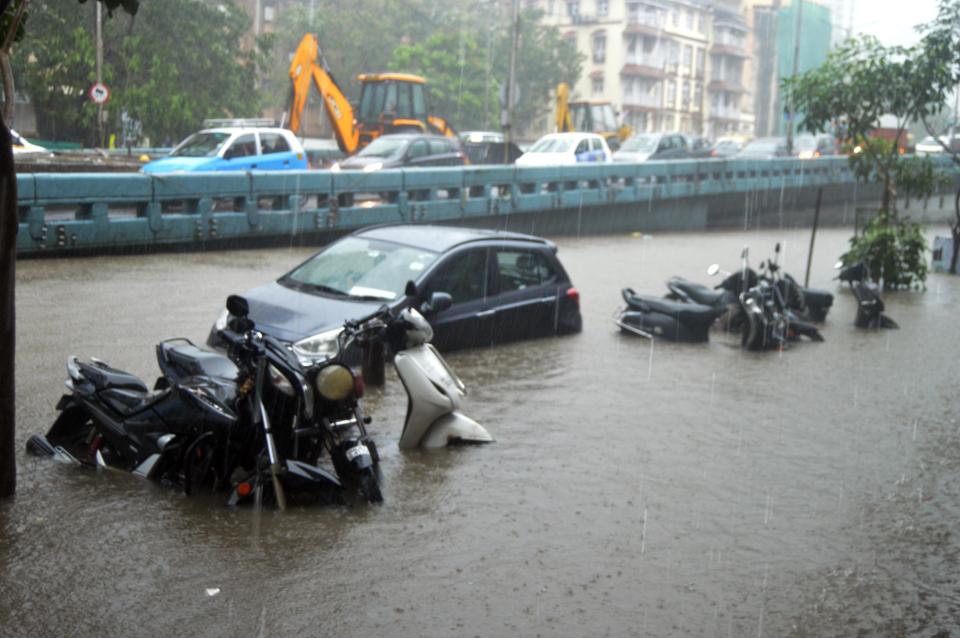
[
  {"x": 213, "y": 75},
  {"x": 860, "y": 82}
]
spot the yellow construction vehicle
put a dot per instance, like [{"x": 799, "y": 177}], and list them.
[
  {"x": 589, "y": 116},
  {"x": 389, "y": 102}
]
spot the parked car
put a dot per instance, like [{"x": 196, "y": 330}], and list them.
[
  {"x": 652, "y": 146},
  {"x": 489, "y": 147},
  {"x": 932, "y": 146},
  {"x": 814, "y": 146},
  {"x": 21, "y": 146},
  {"x": 405, "y": 150},
  {"x": 501, "y": 287},
  {"x": 566, "y": 148},
  {"x": 698, "y": 147},
  {"x": 233, "y": 148},
  {"x": 727, "y": 147},
  {"x": 764, "y": 148}
]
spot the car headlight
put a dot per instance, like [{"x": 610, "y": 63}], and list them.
[
  {"x": 221, "y": 322},
  {"x": 317, "y": 347},
  {"x": 335, "y": 382},
  {"x": 376, "y": 166}
]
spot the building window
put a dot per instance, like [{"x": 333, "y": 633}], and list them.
[
  {"x": 685, "y": 96},
  {"x": 596, "y": 85},
  {"x": 603, "y": 7},
  {"x": 675, "y": 17},
  {"x": 671, "y": 94},
  {"x": 701, "y": 61},
  {"x": 268, "y": 14},
  {"x": 633, "y": 13},
  {"x": 573, "y": 8},
  {"x": 687, "y": 56},
  {"x": 632, "y": 46},
  {"x": 697, "y": 95},
  {"x": 700, "y": 23},
  {"x": 674, "y": 52},
  {"x": 690, "y": 19},
  {"x": 599, "y": 47}
]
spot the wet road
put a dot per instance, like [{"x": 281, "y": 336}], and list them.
[{"x": 678, "y": 490}]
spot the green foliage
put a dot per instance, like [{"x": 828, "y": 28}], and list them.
[
  {"x": 894, "y": 249},
  {"x": 179, "y": 62},
  {"x": 130, "y": 6}
]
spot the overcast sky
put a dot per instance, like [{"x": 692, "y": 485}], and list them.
[{"x": 892, "y": 21}]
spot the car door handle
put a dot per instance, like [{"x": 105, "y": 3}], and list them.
[{"x": 486, "y": 313}]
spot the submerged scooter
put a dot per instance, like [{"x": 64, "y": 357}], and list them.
[
  {"x": 434, "y": 390},
  {"x": 869, "y": 304},
  {"x": 653, "y": 317}
]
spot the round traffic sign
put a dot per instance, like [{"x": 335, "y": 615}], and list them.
[{"x": 99, "y": 93}]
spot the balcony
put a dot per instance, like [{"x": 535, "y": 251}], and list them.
[
  {"x": 730, "y": 85},
  {"x": 643, "y": 71},
  {"x": 644, "y": 24},
  {"x": 725, "y": 114}
]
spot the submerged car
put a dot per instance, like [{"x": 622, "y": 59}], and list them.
[
  {"x": 764, "y": 148},
  {"x": 565, "y": 149},
  {"x": 234, "y": 148},
  {"x": 475, "y": 287},
  {"x": 405, "y": 150}
]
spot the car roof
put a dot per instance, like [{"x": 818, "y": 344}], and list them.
[
  {"x": 244, "y": 129},
  {"x": 442, "y": 238}
]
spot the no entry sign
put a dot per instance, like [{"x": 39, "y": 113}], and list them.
[{"x": 99, "y": 93}]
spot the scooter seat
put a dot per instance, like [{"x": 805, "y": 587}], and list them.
[
  {"x": 180, "y": 359},
  {"x": 817, "y": 297},
  {"x": 686, "y": 312},
  {"x": 103, "y": 376},
  {"x": 696, "y": 292}
]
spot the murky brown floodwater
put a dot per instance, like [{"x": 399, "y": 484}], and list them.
[{"x": 700, "y": 492}]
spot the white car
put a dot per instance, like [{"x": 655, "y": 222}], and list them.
[
  {"x": 559, "y": 149},
  {"x": 931, "y": 146}
]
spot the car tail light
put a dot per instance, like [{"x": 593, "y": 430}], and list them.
[{"x": 574, "y": 295}]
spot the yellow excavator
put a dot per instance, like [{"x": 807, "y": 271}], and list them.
[
  {"x": 589, "y": 116},
  {"x": 389, "y": 102}
]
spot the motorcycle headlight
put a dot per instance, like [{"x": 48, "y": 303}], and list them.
[
  {"x": 221, "y": 322},
  {"x": 334, "y": 383},
  {"x": 317, "y": 347}
]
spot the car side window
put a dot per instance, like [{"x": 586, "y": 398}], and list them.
[
  {"x": 440, "y": 147},
  {"x": 463, "y": 276},
  {"x": 665, "y": 144},
  {"x": 418, "y": 149},
  {"x": 583, "y": 147},
  {"x": 595, "y": 145},
  {"x": 679, "y": 142},
  {"x": 243, "y": 146},
  {"x": 519, "y": 269},
  {"x": 273, "y": 143}
]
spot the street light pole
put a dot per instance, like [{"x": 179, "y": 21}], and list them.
[
  {"x": 511, "y": 83},
  {"x": 796, "y": 61},
  {"x": 100, "y": 71}
]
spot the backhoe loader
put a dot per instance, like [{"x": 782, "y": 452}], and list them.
[
  {"x": 589, "y": 116},
  {"x": 389, "y": 102}
]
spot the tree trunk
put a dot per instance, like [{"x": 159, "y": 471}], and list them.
[
  {"x": 887, "y": 192},
  {"x": 8, "y": 256}
]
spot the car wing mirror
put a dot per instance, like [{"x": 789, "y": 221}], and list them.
[
  {"x": 410, "y": 290},
  {"x": 238, "y": 306},
  {"x": 438, "y": 302}
]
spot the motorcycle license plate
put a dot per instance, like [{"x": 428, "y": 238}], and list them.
[{"x": 357, "y": 450}]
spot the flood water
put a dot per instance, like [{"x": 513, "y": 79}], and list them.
[{"x": 633, "y": 489}]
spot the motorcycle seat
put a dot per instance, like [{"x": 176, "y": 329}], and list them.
[
  {"x": 180, "y": 359},
  {"x": 103, "y": 376},
  {"x": 693, "y": 313},
  {"x": 697, "y": 293}
]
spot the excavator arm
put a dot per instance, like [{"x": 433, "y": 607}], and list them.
[
  {"x": 564, "y": 123},
  {"x": 308, "y": 66}
]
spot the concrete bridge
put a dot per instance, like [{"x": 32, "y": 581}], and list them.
[{"x": 90, "y": 213}]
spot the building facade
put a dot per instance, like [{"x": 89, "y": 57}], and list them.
[{"x": 665, "y": 65}]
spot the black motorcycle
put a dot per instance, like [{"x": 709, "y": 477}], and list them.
[
  {"x": 242, "y": 422},
  {"x": 869, "y": 304}
]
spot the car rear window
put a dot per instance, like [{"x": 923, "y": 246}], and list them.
[{"x": 273, "y": 143}]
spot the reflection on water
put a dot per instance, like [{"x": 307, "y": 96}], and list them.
[{"x": 696, "y": 491}]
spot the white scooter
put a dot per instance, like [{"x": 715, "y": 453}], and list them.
[{"x": 434, "y": 390}]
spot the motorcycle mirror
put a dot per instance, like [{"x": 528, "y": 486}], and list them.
[
  {"x": 713, "y": 269},
  {"x": 838, "y": 265},
  {"x": 776, "y": 249},
  {"x": 237, "y": 306},
  {"x": 411, "y": 289},
  {"x": 744, "y": 252}
]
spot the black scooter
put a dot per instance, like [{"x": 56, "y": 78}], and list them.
[
  {"x": 869, "y": 304},
  {"x": 654, "y": 317}
]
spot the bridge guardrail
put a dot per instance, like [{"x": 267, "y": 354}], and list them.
[{"x": 65, "y": 212}]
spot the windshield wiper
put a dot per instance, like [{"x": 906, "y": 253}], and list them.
[{"x": 304, "y": 285}]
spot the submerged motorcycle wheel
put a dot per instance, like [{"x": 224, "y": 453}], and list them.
[{"x": 370, "y": 486}]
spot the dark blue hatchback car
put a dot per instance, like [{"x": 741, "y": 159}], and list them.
[{"x": 504, "y": 286}]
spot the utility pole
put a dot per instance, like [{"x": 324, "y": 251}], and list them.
[
  {"x": 511, "y": 83},
  {"x": 796, "y": 62},
  {"x": 100, "y": 71}
]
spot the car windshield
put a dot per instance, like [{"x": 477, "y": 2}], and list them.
[
  {"x": 384, "y": 147},
  {"x": 761, "y": 146},
  {"x": 359, "y": 267},
  {"x": 202, "y": 144},
  {"x": 727, "y": 145},
  {"x": 552, "y": 145},
  {"x": 806, "y": 143},
  {"x": 641, "y": 144}
]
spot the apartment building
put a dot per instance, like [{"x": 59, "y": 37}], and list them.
[{"x": 666, "y": 65}]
